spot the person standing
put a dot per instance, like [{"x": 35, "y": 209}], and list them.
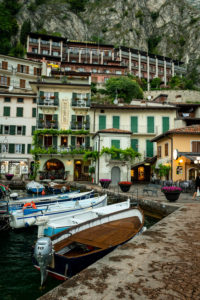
[{"x": 197, "y": 185}]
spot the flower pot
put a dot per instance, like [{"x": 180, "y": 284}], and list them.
[
  {"x": 124, "y": 187},
  {"x": 105, "y": 184},
  {"x": 9, "y": 176},
  {"x": 172, "y": 196}
]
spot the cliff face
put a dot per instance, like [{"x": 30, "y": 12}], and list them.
[{"x": 166, "y": 27}]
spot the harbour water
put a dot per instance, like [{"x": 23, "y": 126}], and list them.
[{"x": 19, "y": 280}]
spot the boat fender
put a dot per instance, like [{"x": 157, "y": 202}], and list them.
[
  {"x": 29, "y": 204},
  {"x": 30, "y": 222}
]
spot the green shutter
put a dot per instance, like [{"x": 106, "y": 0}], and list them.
[
  {"x": 40, "y": 141},
  {"x": 87, "y": 141},
  {"x": 87, "y": 125},
  {"x": 88, "y": 99},
  {"x": 19, "y": 111},
  {"x": 149, "y": 148},
  {"x": 41, "y": 93},
  {"x": 73, "y": 125},
  {"x": 6, "y": 111},
  {"x": 102, "y": 122},
  {"x": 150, "y": 124},
  {"x": 55, "y": 139},
  {"x": 115, "y": 143},
  {"x": 23, "y": 148},
  {"x": 165, "y": 124},
  {"x": 74, "y": 96},
  {"x": 29, "y": 148},
  {"x": 56, "y": 101},
  {"x": 134, "y": 124},
  {"x": 41, "y": 116},
  {"x": 24, "y": 130},
  {"x": 33, "y": 129},
  {"x": 134, "y": 144},
  {"x": 1, "y": 129},
  {"x": 116, "y": 122},
  {"x": 11, "y": 148},
  {"x": 33, "y": 112},
  {"x": 0, "y": 148},
  {"x": 55, "y": 118},
  {"x": 12, "y": 129},
  {"x": 73, "y": 141}
]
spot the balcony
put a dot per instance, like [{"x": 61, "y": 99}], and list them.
[
  {"x": 80, "y": 125},
  {"x": 47, "y": 101},
  {"x": 47, "y": 125},
  {"x": 81, "y": 103}
]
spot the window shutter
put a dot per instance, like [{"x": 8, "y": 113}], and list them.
[
  {"x": 102, "y": 122},
  {"x": 22, "y": 83},
  {"x": 56, "y": 100},
  {"x": 0, "y": 148},
  {"x": 134, "y": 124},
  {"x": 55, "y": 118},
  {"x": 73, "y": 125},
  {"x": 8, "y": 80},
  {"x": 74, "y": 96},
  {"x": 33, "y": 129},
  {"x": 88, "y": 99},
  {"x": 159, "y": 153},
  {"x": 165, "y": 124},
  {"x": 116, "y": 122},
  {"x": 40, "y": 140},
  {"x": 149, "y": 148},
  {"x": 1, "y": 129},
  {"x": 12, "y": 129},
  {"x": 23, "y": 148},
  {"x": 6, "y": 111},
  {"x": 196, "y": 146},
  {"x": 73, "y": 141},
  {"x": 150, "y": 124},
  {"x": 55, "y": 141},
  {"x": 18, "y": 68},
  {"x": 29, "y": 148},
  {"x": 35, "y": 71},
  {"x": 87, "y": 141},
  {"x": 24, "y": 130},
  {"x": 41, "y": 117},
  {"x": 19, "y": 111},
  {"x": 166, "y": 149},
  {"x": 134, "y": 144},
  {"x": 115, "y": 143},
  {"x": 11, "y": 148},
  {"x": 27, "y": 69},
  {"x": 87, "y": 125},
  {"x": 4, "y": 65},
  {"x": 34, "y": 112}
]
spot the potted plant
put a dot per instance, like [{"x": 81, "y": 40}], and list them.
[
  {"x": 125, "y": 185},
  {"x": 105, "y": 183},
  {"x": 91, "y": 172},
  {"x": 9, "y": 176},
  {"x": 52, "y": 97},
  {"x": 171, "y": 193}
]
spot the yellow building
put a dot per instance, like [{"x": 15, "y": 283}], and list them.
[{"x": 179, "y": 148}]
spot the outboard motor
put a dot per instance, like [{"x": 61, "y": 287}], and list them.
[{"x": 43, "y": 253}]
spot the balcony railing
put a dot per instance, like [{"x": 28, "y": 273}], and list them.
[
  {"x": 48, "y": 102},
  {"x": 80, "y": 125},
  {"x": 47, "y": 125},
  {"x": 81, "y": 102}
]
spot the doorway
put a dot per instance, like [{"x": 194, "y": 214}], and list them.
[{"x": 115, "y": 175}]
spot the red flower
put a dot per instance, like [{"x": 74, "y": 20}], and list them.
[{"x": 125, "y": 182}]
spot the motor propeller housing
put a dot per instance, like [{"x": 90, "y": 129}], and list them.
[{"x": 43, "y": 253}]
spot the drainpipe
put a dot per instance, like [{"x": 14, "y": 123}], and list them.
[
  {"x": 98, "y": 160},
  {"x": 171, "y": 158}
]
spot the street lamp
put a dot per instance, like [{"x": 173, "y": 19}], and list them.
[{"x": 197, "y": 160}]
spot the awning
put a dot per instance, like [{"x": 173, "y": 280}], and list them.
[
  {"x": 190, "y": 155},
  {"x": 148, "y": 160}
]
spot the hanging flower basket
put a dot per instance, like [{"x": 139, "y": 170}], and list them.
[
  {"x": 105, "y": 183},
  {"x": 9, "y": 176},
  {"x": 125, "y": 185},
  {"x": 171, "y": 193}
]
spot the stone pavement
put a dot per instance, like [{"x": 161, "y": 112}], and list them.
[{"x": 163, "y": 263}]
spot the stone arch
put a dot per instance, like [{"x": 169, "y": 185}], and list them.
[
  {"x": 54, "y": 168},
  {"x": 192, "y": 173},
  {"x": 115, "y": 175}
]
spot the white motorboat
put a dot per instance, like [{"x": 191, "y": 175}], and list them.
[{"x": 27, "y": 216}]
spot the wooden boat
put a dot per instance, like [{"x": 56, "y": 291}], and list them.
[
  {"x": 57, "y": 188},
  {"x": 27, "y": 217},
  {"x": 48, "y": 227},
  {"x": 68, "y": 252}
]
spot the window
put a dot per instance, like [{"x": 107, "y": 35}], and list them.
[
  {"x": 64, "y": 141},
  {"x": 118, "y": 72},
  {"x": 6, "y": 111},
  {"x": 6, "y": 129},
  {"x": 20, "y": 100},
  {"x": 149, "y": 148},
  {"x": 150, "y": 124},
  {"x": 32, "y": 40},
  {"x": 46, "y": 52},
  {"x": 166, "y": 149},
  {"x": 56, "y": 53},
  {"x": 165, "y": 124},
  {"x": 116, "y": 144},
  {"x": 67, "y": 69},
  {"x": 134, "y": 144},
  {"x": 34, "y": 101},
  {"x": 18, "y": 148},
  {"x": 7, "y": 99},
  {"x": 116, "y": 121},
  {"x": 4, "y": 148},
  {"x": 48, "y": 95},
  {"x": 102, "y": 122},
  {"x": 22, "y": 83},
  {"x": 35, "y": 50},
  {"x": 19, "y": 111},
  {"x": 81, "y": 69},
  {"x": 4, "y": 65},
  {"x": 94, "y": 70},
  {"x": 159, "y": 154},
  {"x": 134, "y": 124},
  {"x": 4, "y": 80},
  {"x": 43, "y": 42},
  {"x": 196, "y": 146},
  {"x": 55, "y": 44},
  {"x": 19, "y": 130},
  {"x": 33, "y": 112}
]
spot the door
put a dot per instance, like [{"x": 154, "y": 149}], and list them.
[{"x": 115, "y": 175}]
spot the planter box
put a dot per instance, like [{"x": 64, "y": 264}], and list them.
[
  {"x": 9, "y": 176},
  {"x": 172, "y": 196},
  {"x": 125, "y": 187},
  {"x": 105, "y": 184}
]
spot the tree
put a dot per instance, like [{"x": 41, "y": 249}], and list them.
[
  {"x": 155, "y": 83},
  {"x": 125, "y": 88},
  {"x": 18, "y": 51},
  {"x": 25, "y": 29}
]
